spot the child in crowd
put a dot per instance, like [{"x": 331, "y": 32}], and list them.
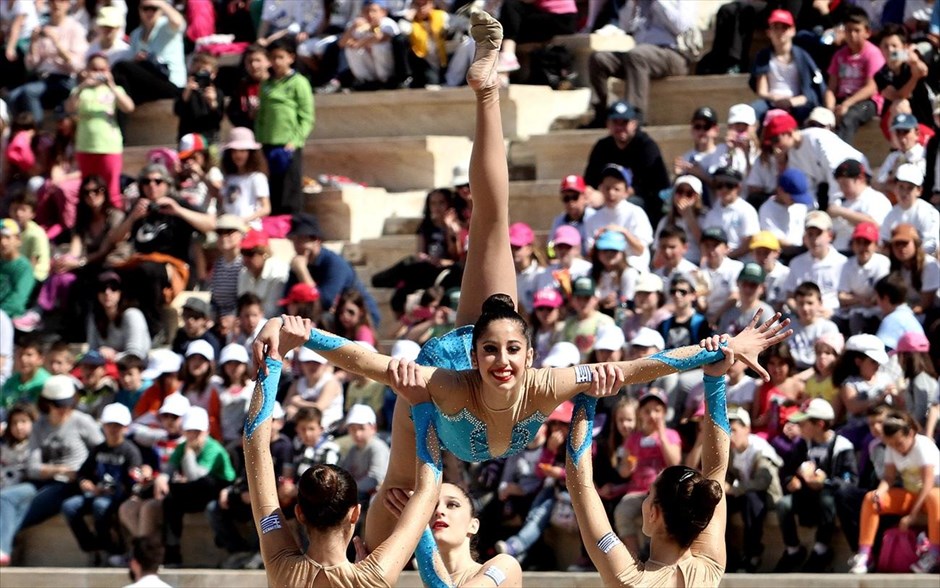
[
  {"x": 818, "y": 379},
  {"x": 821, "y": 463},
  {"x": 809, "y": 325},
  {"x": 610, "y": 451},
  {"x": 264, "y": 276},
  {"x": 852, "y": 93},
  {"x": 163, "y": 370},
  {"x": 784, "y": 213},
  {"x": 233, "y": 391},
  {"x": 568, "y": 265},
  {"x": 198, "y": 179},
  {"x": 59, "y": 359},
  {"x": 612, "y": 273},
  {"x": 245, "y": 192},
  {"x": 648, "y": 305},
  {"x": 908, "y": 150},
  {"x": 426, "y": 26},
  {"x": 243, "y": 105},
  {"x": 582, "y": 325},
  {"x": 730, "y": 212},
  {"x": 821, "y": 264},
  {"x": 16, "y": 459},
  {"x": 915, "y": 460},
  {"x": 785, "y": 76},
  {"x": 912, "y": 209},
  {"x": 686, "y": 325},
  {"x": 753, "y": 484},
  {"x": 858, "y": 202},
  {"x": 34, "y": 244},
  {"x": 223, "y": 284},
  {"x": 97, "y": 388},
  {"x": 779, "y": 397},
  {"x": 104, "y": 481},
  {"x": 283, "y": 122},
  {"x": 861, "y": 381},
  {"x": 858, "y": 306},
  {"x": 131, "y": 383},
  {"x": 898, "y": 318},
  {"x": 765, "y": 247},
  {"x": 312, "y": 445},
  {"x": 351, "y": 319},
  {"x": 367, "y": 45},
  {"x": 367, "y": 459},
  {"x": 16, "y": 273},
  {"x": 546, "y": 322},
  {"x": 250, "y": 320},
  {"x": 198, "y": 385},
  {"x": 28, "y": 377},
  {"x": 647, "y": 451},
  {"x": 919, "y": 385},
  {"x": 609, "y": 345},
  {"x": 316, "y": 387},
  {"x": 706, "y": 154},
  {"x": 686, "y": 211},
  {"x": 201, "y": 104},
  {"x": 721, "y": 271},
  {"x": 672, "y": 261},
  {"x": 750, "y": 300},
  {"x": 619, "y": 214}
]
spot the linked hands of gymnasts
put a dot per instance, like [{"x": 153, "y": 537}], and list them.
[
  {"x": 278, "y": 336},
  {"x": 749, "y": 343},
  {"x": 719, "y": 368},
  {"x": 406, "y": 380},
  {"x": 607, "y": 381}
]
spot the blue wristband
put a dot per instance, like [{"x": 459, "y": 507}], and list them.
[
  {"x": 588, "y": 404},
  {"x": 268, "y": 384},
  {"x": 424, "y": 553},
  {"x": 682, "y": 364},
  {"x": 322, "y": 341},
  {"x": 424, "y": 416},
  {"x": 716, "y": 401}
]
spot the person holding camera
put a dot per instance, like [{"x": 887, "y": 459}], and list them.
[
  {"x": 99, "y": 144},
  {"x": 157, "y": 67},
  {"x": 201, "y": 105}
]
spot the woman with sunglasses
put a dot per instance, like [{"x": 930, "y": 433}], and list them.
[
  {"x": 485, "y": 385},
  {"x": 685, "y": 513},
  {"x": 113, "y": 326}
]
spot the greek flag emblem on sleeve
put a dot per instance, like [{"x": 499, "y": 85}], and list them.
[{"x": 272, "y": 522}]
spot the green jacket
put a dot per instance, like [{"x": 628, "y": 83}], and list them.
[
  {"x": 286, "y": 111},
  {"x": 16, "y": 284},
  {"x": 213, "y": 458}
]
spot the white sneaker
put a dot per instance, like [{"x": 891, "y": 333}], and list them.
[
  {"x": 926, "y": 564},
  {"x": 858, "y": 564},
  {"x": 508, "y": 62}
]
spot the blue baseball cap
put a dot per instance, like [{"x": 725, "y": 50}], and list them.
[
  {"x": 619, "y": 172},
  {"x": 794, "y": 183},
  {"x": 611, "y": 241},
  {"x": 903, "y": 122},
  {"x": 622, "y": 110}
]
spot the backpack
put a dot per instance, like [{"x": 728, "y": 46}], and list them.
[
  {"x": 898, "y": 552},
  {"x": 553, "y": 66}
]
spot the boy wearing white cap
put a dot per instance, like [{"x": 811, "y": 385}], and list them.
[
  {"x": 199, "y": 468},
  {"x": 912, "y": 209},
  {"x": 105, "y": 482},
  {"x": 316, "y": 387},
  {"x": 367, "y": 459},
  {"x": 821, "y": 264}
]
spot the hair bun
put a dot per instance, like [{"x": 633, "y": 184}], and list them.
[{"x": 498, "y": 304}]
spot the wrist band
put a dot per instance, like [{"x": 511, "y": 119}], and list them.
[
  {"x": 716, "y": 401},
  {"x": 584, "y": 407},
  {"x": 268, "y": 385},
  {"x": 682, "y": 364},
  {"x": 423, "y": 416}
]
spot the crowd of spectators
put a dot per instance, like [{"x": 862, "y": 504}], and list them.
[{"x": 782, "y": 213}]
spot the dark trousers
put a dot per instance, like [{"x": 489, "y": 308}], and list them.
[
  {"x": 144, "y": 81},
  {"x": 636, "y": 68},
  {"x": 423, "y": 72},
  {"x": 184, "y": 498},
  {"x": 102, "y": 509},
  {"x": 40, "y": 93},
  {"x": 12, "y": 73},
  {"x": 734, "y": 29},
  {"x": 849, "y": 500},
  {"x": 225, "y": 521},
  {"x": 753, "y": 508},
  {"x": 287, "y": 190},
  {"x": 525, "y": 23},
  {"x": 406, "y": 276},
  {"x": 48, "y": 502},
  {"x": 813, "y": 508},
  {"x": 857, "y": 115}
]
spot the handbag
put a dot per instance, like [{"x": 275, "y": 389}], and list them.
[{"x": 898, "y": 552}]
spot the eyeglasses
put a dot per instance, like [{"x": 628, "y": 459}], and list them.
[
  {"x": 195, "y": 316},
  {"x": 903, "y": 131},
  {"x": 679, "y": 292},
  {"x": 570, "y": 198},
  {"x": 112, "y": 286},
  {"x": 685, "y": 193},
  {"x": 776, "y": 139},
  {"x": 149, "y": 181},
  {"x": 90, "y": 191},
  {"x": 900, "y": 243},
  {"x": 702, "y": 127},
  {"x": 725, "y": 186},
  {"x": 148, "y": 8},
  {"x": 252, "y": 252}
]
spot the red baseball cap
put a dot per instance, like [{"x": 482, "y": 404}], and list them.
[
  {"x": 780, "y": 124},
  {"x": 254, "y": 239},
  {"x": 300, "y": 293},
  {"x": 781, "y": 16},
  {"x": 573, "y": 183},
  {"x": 867, "y": 231}
]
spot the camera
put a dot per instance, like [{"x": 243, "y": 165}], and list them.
[
  {"x": 899, "y": 55},
  {"x": 153, "y": 208},
  {"x": 203, "y": 79}
]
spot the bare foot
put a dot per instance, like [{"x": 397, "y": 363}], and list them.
[{"x": 488, "y": 35}]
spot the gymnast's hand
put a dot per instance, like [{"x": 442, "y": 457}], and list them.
[
  {"x": 719, "y": 368},
  {"x": 396, "y": 499},
  {"x": 753, "y": 340},
  {"x": 278, "y": 336},
  {"x": 406, "y": 380},
  {"x": 607, "y": 381}
]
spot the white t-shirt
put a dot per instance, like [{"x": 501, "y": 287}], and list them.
[
  {"x": 710, "y": 160},
  {"x": 930, "y": 280},
  {"x": 724, "y": 283},
  {"x": 785, "y": 222},
  {"x": 579, "y": 267},
  {"x": 240, "y": 194},
  {"x": 119, "y": 51},
  {"x": 775, "y": 293},
  {"x": 763, "y": 175},
  {"x": 311, "y": 393},
  {"x": 924, "y": 217},
  {"x": 783, "y": 79},
  {"x": 743, "y": 462},
  {"x": 738, "y": 219},
  {"x": 624, "y": 286},
  {"x": 860, "y": 280},
  {"x": 870, "y": 202},
  {"x": 923, "y": 453},
  {"x": 26, "y": 8},
  {"x": 6, "y": 346},
  {"x": 742, "y": 393},
  {"x": 916, "y": 155},
  {"x": 824, "y": 272},
  {"x": 803, "y": 340},
  {"x": 693, "y": 253},
  {"x": 818, "y": 155},
  {"x": 629, "y": 216}
]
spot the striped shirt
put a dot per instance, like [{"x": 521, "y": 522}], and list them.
[{"x": 224, "y": 285}]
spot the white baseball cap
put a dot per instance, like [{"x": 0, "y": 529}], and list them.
[
  {"x": 649, "y": 282},
  {"x": 200, "y": 347},
  {"x": 562, "y": 354},
  {"x": 175, "y": 404},
  {"x": 405, "y": 349},
  {"x": 868, "y": 345},
  {"x": 196, "y": 419},
  {"x": 742, "y": 113},
  {"x": 57, "y": 388},
  {"x": 116, "y": 413},
  {"x": 691, "y": 181},
  {"x": 910, "y": 173},
  {"x": 818, "y": 408},
  {"x": 360, "y": 414},
  {"x": 647, "y": 337},
  {"x": 307, "y": 354},
  {"x": 610, "y": 338},
  {"x": 278, "y": 412},
  {"x": 162, "y": 361},
  {"x": 737, "y": 413},
  {"x": 822, "y": 116},
  {"x": 233, "y": 352}
]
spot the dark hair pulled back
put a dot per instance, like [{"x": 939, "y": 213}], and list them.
[
  {"x": 500, "y": 307},
  {"x": 688, "y": 500},
  {"x": 898, "y": 421},
  {"x": 325, "y": 495}
]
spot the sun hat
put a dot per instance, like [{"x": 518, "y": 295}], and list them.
[{"x": 241, "y": 138}]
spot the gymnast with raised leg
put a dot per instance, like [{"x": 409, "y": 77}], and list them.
[
  {"x": 685, "y": 513},
  {"x": 488, "y": 400},
  {"x": 327, "y": 501}
]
